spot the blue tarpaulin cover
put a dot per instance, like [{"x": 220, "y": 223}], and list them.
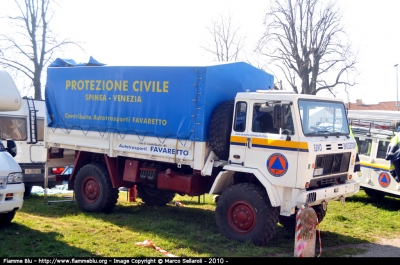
[{"x": 162, "y": 101}]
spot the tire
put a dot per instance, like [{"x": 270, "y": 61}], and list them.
[
  {"x": 6, "y": 218},
  {"x": 28, "y": 191},
  {"x": 289, "y": 222},
  {"x": 93, "y": 189},
  {"x": 220, "y": 129},
  {"x": 256, "y": 220},
  {"x": 374, "y": 194},
  {"x": 153, "y": 196},
  {"x": 319, "y": 210}
]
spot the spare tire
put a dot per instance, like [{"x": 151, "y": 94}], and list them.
[{"x": 220, "y": 129}]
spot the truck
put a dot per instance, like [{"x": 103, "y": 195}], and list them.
[
  {"x": 11, "y": 179},
  {"x": 26, "y": 127},
  {"x": 373, "y": 130},
  {"x": 190, "y": 130}
]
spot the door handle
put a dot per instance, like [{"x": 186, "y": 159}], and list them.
[{"x": 248, "y": 142}]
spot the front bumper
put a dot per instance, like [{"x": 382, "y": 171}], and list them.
[
  {"x": 333, "y": 193},
  {"x": 17, "y": 200}
]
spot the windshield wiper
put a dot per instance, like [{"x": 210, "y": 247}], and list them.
[
  {"x": 318, "y": 133},
  {"x": 337, "y": 134}
]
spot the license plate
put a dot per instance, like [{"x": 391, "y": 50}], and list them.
[
  {"x": 33, "y": 171},
  {"x": 318, "y": 171}
]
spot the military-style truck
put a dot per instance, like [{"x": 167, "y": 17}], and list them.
[{"x": 192, "y": 130}]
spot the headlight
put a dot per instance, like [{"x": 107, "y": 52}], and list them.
[{"x": 14, "y": 178}]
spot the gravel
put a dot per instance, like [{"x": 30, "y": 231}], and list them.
[{"x": 383, "y": 248}]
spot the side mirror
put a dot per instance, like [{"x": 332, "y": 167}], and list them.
[
  {"x": 279, "y": 118},
  {"x": 12, "y": 148}
]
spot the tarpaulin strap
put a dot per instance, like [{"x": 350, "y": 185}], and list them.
[{"x": 149, "y": 243}]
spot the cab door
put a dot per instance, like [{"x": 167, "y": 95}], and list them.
[
  {"x": 380, "y": 177},
  {"x": 273, "y": 151},
  {"x": 364, "y": 152}
]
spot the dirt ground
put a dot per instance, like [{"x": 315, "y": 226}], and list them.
[{"x": 382, "y": 248}]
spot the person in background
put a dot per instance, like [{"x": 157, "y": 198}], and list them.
[{"x": 393, "y": 154}]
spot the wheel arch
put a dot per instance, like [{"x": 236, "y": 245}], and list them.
[
  {"x": 93, "y": 189},
  {"x": 225, "y": 179},
  {"x": 115, "y": 167}
]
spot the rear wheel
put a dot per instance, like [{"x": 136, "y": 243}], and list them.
[
  {"x": 93, "y": 189},
  {"x": 244, "y": 213},
  {"x": 154, "y": 197},
  {"x": 6, "y": 218},
  {"x": 375, "y": 194}
]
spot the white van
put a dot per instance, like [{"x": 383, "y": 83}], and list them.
[
  {"x": 26, "y": 126},
  {"x": 11, "y": 183},
  {"x": 11, "y": 179},
  {"x": 373, "y": 130}
]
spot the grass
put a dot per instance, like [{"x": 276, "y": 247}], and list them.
[{"x": 63, "y": 230}]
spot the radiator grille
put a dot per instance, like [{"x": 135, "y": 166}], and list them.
[
  {"x": 332, "y": 163},
  {"x": 311, "y": 197}
]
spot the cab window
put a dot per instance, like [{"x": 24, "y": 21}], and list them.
[
  {"x": 382, "y": 149},
  {"x": 289, "y": 127},
  {"x": 13, "y": 128},
  {"x": 364, "y": 146},
  {"x": 240, "y": 117},
  {"x": 40, "y": 130},
  {"x": 263, "y": 116}
]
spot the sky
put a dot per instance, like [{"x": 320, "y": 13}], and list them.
[{"x": 173, "y": 32}]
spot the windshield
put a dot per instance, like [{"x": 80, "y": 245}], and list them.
[{"x": 323, "y": 118}]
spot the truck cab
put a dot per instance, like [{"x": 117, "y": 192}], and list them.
[
  {"x": 263, "y": 153},
  {"x": 302, "y": 142},
  {"x": 11, "y": 179}
]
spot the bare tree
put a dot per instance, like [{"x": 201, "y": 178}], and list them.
[
  {"x": 31, "y": 47},
  {"x": 227, "y": 43},
  {"x": 305, "y": 39}
]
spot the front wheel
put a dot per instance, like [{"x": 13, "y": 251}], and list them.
[
  {"x": 6, "y": 218},
  {"x": 93, "y": 189},
  {"x": 244, "y": 213},
  {"x": 28, "y": 191},
  {"x": 289, "y": 222},
  {"x": 374, "y": 194}
]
